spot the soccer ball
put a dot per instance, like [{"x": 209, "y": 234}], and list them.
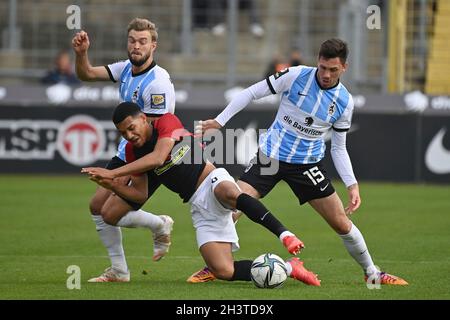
[{"x": 268, "y": 271}]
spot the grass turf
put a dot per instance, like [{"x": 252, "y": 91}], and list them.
[{"x": 46, "y": 227}]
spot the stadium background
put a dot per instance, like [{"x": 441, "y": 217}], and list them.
[{"x": 398, "y": 75}]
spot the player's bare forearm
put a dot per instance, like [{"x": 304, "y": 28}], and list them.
[
  {"x": 86, "y": 72},
  {"x": 80, "y": 44},
  {"x": 82, "y": 66},
  {"x": 136, "y": 192},
  {"x": 148, "y": 162},
  {"x": 144, "y": 164}
]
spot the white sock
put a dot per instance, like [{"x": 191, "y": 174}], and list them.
[
  {"x": 288, "y": 268},
  {"x": 141, "y": 218},
  {"x": 285, "y": 234},
  {"x": 111, "y": 237},
  {"x": 356, "y": 246}
]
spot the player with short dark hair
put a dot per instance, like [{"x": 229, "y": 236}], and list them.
[
  {"x": 148, "y": 85},
  {"x": 314, "y": 102},
  {"x": 163, "y": 152}
]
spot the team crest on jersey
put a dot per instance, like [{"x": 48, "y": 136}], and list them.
[
  {"x": 158, "y": 101},
  {"x": 135, "y": 95},
  {"x": 280, "y": 73},
  {"x": 309, "y": 121},
  {"x": 332, "y": 108}
]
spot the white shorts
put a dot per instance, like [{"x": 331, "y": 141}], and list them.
[{"x": 212, "y": 221}]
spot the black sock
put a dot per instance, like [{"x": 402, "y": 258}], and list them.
[
  {"x": 258, "y": 213},
  {"x": 242, "y": 270}
]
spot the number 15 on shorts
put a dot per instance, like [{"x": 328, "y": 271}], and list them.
[{"x": 314, "y": 174}]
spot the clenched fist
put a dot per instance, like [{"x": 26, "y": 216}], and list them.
[{"x": 80, "y": 42}]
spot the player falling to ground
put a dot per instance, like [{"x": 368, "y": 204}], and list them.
[
  {"x": 313, "y": 102},
  {"x": 164, "y": 150},
  {"x": 149, "y": 86}
]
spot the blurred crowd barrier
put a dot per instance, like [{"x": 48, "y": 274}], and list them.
[{"x": 233, "y": 41}]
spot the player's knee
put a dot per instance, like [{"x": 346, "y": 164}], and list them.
[
  {"x": 108, "y": 217},
  {"x": 98, "y": 200},
  {"x": 95, "y": 206},
  {"x": 343, "y": 226},
  {"x": 232, "y": 196},
  {"x": 248, "y": 189},
  {"x": 227, "y": 193}
]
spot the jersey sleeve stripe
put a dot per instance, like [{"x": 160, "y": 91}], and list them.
[
  {"x": 270, "y": 86},
  {"x": 110, "y": 74},
  {"x": 341, "y": 129}
]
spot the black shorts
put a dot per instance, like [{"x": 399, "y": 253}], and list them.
[
  {"x": 307, "y": 181},
  {"x": 153, "y": 183}
]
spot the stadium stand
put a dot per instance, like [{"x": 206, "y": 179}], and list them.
[{"x": 437, "y": 80}]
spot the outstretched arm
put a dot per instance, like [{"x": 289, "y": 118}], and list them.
[
  {"x": 137, "y": 191},
  {"x": 277, "y": 83},
  {"x": 85, "y": 71},
  {"x": 148, "y": 162},
  {"x": 239, "y": 102}
]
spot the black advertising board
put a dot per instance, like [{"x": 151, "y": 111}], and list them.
[
  {"x": 434, "y": 164},
  {"x": 404, "y": 147}
]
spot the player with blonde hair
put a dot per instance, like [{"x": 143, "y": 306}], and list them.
[{"x": 143, "y": 82}]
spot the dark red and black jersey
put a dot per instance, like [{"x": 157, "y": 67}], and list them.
[{"x": 183, "y": 166}]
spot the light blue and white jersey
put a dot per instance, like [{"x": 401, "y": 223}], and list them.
[
  {"x": 305, "y": 115},
  {"x": 152, "y": 90}
]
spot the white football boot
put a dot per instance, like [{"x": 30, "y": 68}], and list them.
[
  {"x": 161, "y": 238},
  {"x": 112, "y": 275}
]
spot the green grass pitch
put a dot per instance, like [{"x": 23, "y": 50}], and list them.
[{"x": 45, "y": 227}]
